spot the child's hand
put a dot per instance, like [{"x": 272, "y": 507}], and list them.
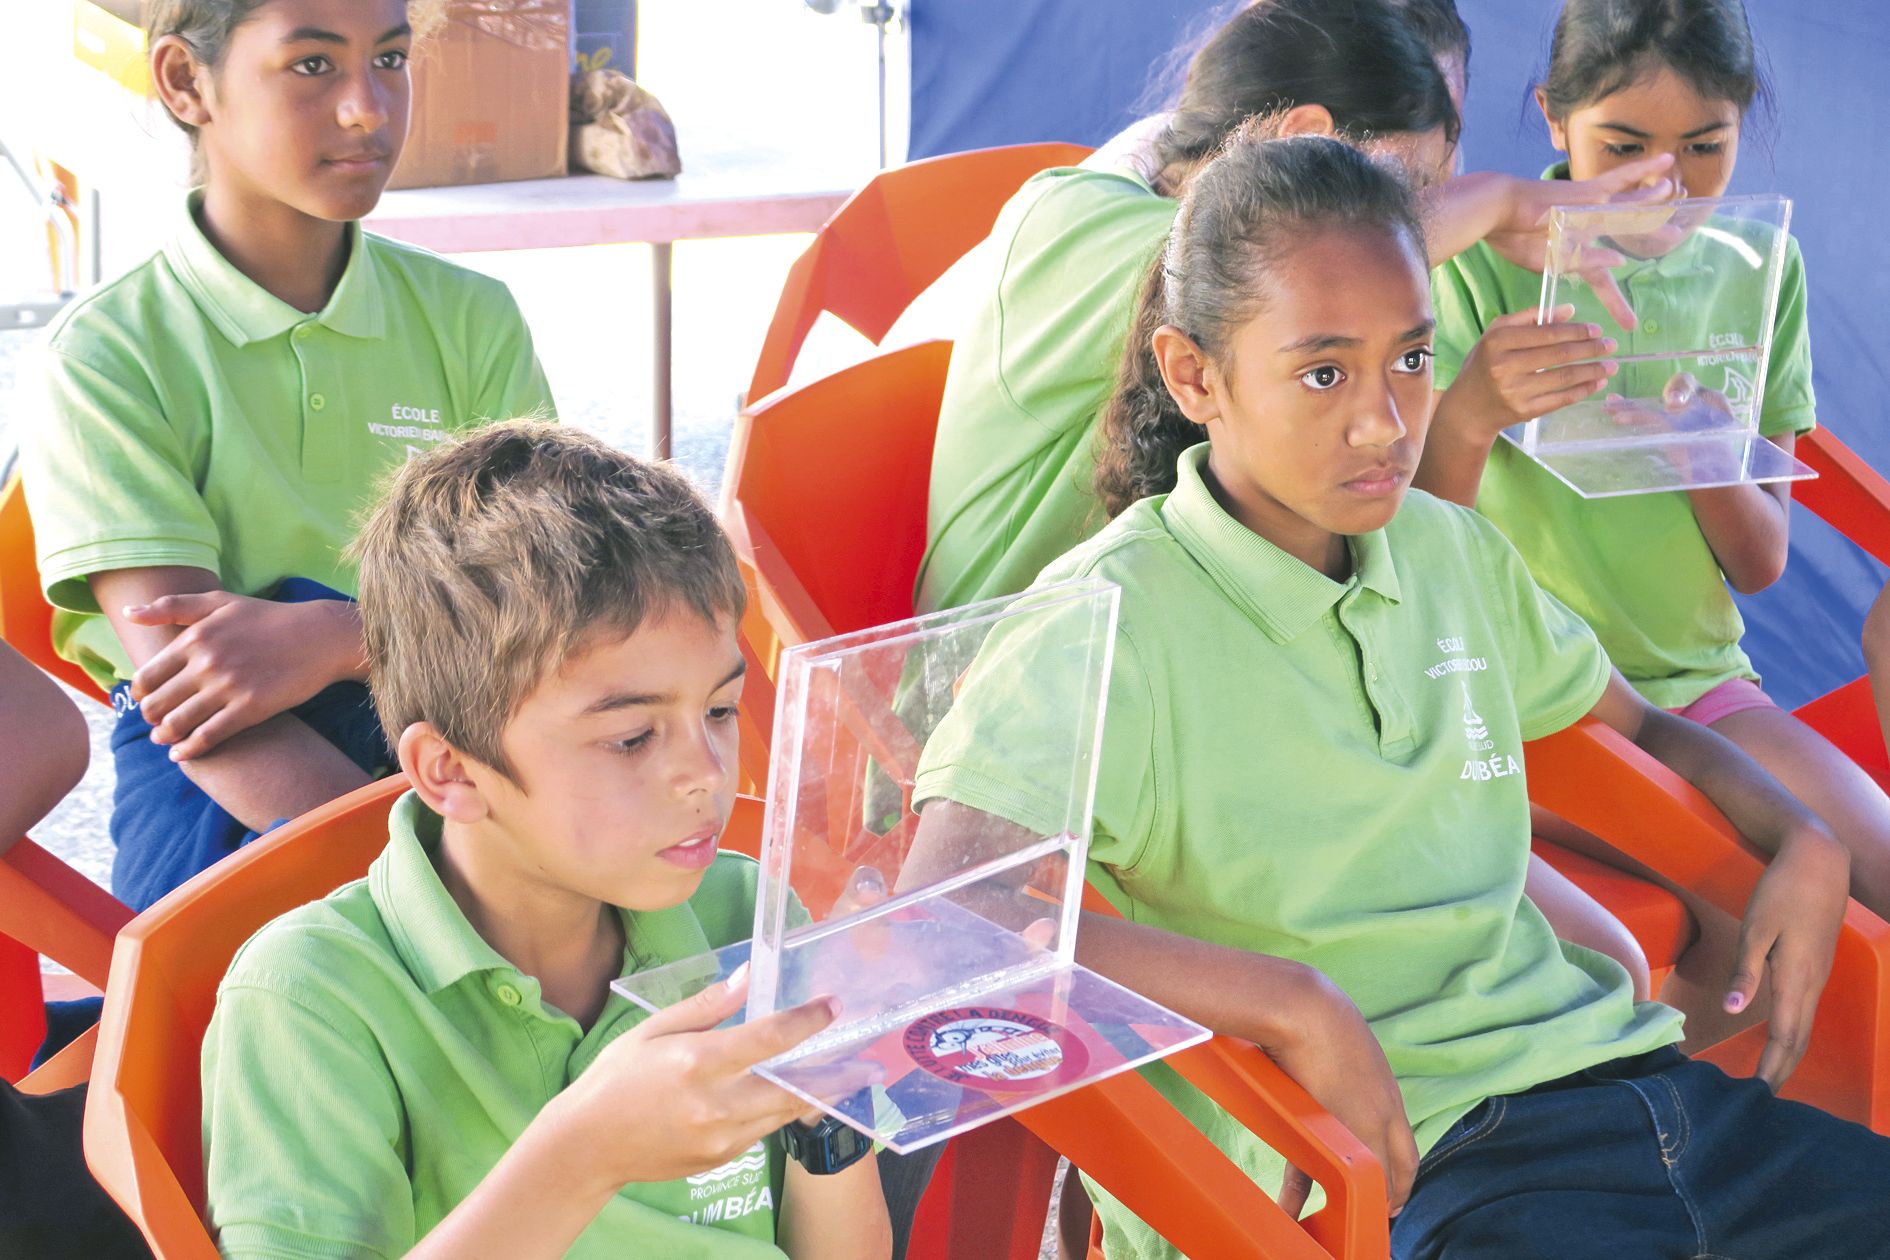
[
  {"x": 674, "y": 1096},
  {"x": 1519, "y": 369},
  {"x": 1330, "y": 1051},
  {"x": 239, "y": 661},
  {"x": 1522, "y": 238},
  {"x": 1787, "y": 939}
]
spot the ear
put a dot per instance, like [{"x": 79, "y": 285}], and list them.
[
  {"x": 1308, "y": 120},
  {"x": 440, "y": 773},
  {"x": 1187, "y": 372},
  {"x": 1558, "y": 131},
  {"x": 181, "y": 80}
]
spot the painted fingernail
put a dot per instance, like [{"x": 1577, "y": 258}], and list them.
[
  {"x": 1608, "y": 344},
  {"x": 1735, "y": 1002}
]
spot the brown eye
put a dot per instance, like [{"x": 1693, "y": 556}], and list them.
[{"x": 1322, "y": 378}]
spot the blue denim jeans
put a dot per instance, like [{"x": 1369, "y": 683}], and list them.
[{"x": 1647, "y": 1158}]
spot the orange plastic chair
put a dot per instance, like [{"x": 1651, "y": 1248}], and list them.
[
  {"x": 142, "y": 1114},
  {"x": 51, "y": 909},
  {"x": 890, "y": 240},
  {"x": 824, "y": 499},
  {"x": 25, "y": 616}
]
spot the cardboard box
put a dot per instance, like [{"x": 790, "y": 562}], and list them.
[
  {"x": 604, "y": 36},
  {"x": 108, "y": 35},
  {"x": 491, "y": 95}
]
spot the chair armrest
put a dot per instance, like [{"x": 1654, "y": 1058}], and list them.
[
  {"x": 71, "y": 1066},
  {"x": 1851, "y": 496},
  {"x": 1132, "y": 1140},
  {"x": 49, "y": 907},
  {"x": 1254, "y": 1090},
  {"x": 1597, "y": 779}
]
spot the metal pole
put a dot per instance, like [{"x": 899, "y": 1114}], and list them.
[
  {"x": 880, "y": 15},
  {"x": 97, "y": 226},
  {"x": 660, "y": 271}
]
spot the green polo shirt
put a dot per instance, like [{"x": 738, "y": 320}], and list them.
[
  {"x": 1636, "y": 568},
  {"x": 371, "y": 1058},
  {"x": 1329, "y": 772},
  {"x": 1014, "y": 463},
  {"x": 193, "y": 418}
]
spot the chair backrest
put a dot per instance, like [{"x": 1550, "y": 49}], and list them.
[
  {"x": 142, "y": 1139},
  {"x": 25, "y": 616},
  {"x": 890, "y": 240},
  {"x": 824, "y": 499},
  {"x": 826, "y": 489},
  {"x": 142, "y": 1116}
]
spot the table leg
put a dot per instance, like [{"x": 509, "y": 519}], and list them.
[{"x": 661, "y": 312}]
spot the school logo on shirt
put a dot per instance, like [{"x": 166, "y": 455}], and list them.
[
  {"x": 1483, "y": 764},
  {"x": 1473, "y": 728},
  {"x": 417, "y": 427},
  {"x": 990, "y": 1048},
  {"x": 733, "y": 1190},
  {"x": 1738, "y": 385}
]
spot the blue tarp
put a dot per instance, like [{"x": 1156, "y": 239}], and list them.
[{"x": 988, "y": 72}]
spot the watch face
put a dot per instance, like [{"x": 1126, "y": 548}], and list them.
[{"x": 828, "y": 1147}]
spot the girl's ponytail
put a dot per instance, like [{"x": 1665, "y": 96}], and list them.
[{"x": 1142, "y": 431}]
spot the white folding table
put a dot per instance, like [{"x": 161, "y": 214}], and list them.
[{"x": 597, "y": 210}]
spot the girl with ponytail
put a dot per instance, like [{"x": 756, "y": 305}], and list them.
[{"x": 1321, "y": 687}]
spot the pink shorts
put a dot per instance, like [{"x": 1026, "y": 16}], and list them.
[{"x": 1735, "y": 695}]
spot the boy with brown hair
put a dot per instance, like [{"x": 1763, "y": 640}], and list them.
[{"x": 430, "y": 1062}]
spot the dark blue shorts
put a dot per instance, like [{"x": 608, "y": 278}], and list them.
[
  {"x": 165, "y": 827},
  {"x": 1649, "y": 1158}
]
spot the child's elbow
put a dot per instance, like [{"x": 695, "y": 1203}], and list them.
[
  {"x": 1754, "y": 573},
  {"x": 71, "y": 743}
]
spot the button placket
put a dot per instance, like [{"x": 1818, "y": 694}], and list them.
[
  {"x": 1394, "y": 724},
  {"x": 322, "y": 441}
]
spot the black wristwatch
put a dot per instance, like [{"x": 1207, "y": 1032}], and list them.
[{"x": 825, "y": 1148}]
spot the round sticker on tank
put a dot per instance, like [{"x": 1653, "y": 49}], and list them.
[{"x": 991, "y": 1048}]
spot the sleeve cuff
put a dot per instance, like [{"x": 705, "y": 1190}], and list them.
[
  {"x": 62, "y": 573},
  {"x": 1566, "y": 715},
  {"x": 1797, "y": 420},
  {"x": 980, "y": 791}
]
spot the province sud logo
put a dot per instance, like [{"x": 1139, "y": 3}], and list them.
[{"x": 991, "y": 1048}]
